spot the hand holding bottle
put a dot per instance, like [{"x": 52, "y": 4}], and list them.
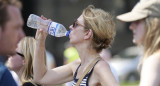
[
  {"x": 52, "y": 28},
  {"x": 41, "y": 33}
]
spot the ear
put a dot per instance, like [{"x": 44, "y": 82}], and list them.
[{"x": 88, "y": 34}]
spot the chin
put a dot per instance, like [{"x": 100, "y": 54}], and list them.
[
  {"x": 9, "y": 66},
  {"x": 71, "y": 41},
  {"x": 136, "y": 42}
]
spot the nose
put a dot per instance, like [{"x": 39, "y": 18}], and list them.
[
  {"x": 71, "y": 27},
  {"x": 132, "y": 26},
  {"x": 21, "y": 34}
]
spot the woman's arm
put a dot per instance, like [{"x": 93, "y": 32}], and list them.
[
  {"x": 39, "y": 68},
  {"x": 150, "y": 74},
  {"x": 41, "y": 74},
  {"x": 104, "y": 75}
]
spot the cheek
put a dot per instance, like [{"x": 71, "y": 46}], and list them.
[
  {"x": 139, "y": 38},
  {"x": 141, "y": 31},
  {"x": 143, "y": 36},
  {"x": 7, "y": 42},
  {"x": 11, "y": 35},
  {"x": 16, "y": 62},
  {"x": 77, "y": 35}
]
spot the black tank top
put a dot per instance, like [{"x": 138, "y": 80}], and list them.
[{"x": 84, "y": 81}]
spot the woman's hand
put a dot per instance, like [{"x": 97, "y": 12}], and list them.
[
  {"x": 39, "y": 55},
  {"x": 41, "y": 33}
]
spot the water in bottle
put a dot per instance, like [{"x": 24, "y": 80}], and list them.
[{"x": 52, "y": 28}]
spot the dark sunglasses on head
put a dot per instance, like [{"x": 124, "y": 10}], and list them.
[{"x": 20, "y": 54}]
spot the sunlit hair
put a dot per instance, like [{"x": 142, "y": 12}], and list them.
[
  {"x": 152, "y": 37},
  {"x": 27, "y": 46},
  {"x": 102, "y": 25}
]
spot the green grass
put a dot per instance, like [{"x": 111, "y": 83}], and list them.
[{"x": 130, "y": 83}]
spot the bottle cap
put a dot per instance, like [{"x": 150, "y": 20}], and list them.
[{"x": 68, "y": 32}]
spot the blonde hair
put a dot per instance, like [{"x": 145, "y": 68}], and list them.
[
  {"x": 102, "y": 25},
  {"x": 27, "y": 46},
  {"x": 152, "y": 37}
]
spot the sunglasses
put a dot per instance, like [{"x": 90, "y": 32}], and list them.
[
  {"x": 75, "y": 24},
  {"x": 20, "y": 54}
]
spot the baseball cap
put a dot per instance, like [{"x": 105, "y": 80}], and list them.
[{"x": 143, "y": 9}]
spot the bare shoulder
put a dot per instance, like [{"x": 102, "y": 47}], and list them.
[
  {"x": 102, "y": 73},
  {"x": 151, "y": 71},
  {"x": 101, "y": 66},
  {"x": 153, "y": 61},
  {"x": 74, "y": 64},
  {"x": 152, "y": 64}
]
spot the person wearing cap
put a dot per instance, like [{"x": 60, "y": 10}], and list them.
[{"x": 145, "y": 24}]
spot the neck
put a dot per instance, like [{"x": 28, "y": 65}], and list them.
[
  {"x": 86, "y": 54},
  {"x": 19, "y": 74}
]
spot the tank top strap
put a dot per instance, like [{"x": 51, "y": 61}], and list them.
[
  {"x": 91, "y": 70},
  {"x": 86, "y": 78},
  {"x": 75, "y": 74}
]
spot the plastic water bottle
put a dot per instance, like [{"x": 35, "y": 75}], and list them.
[{"x": 52, "y": 28}]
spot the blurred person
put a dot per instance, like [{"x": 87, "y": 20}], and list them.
[
  {"x": 21, "y": 62},
  {"x": 145, "y": 24},
  {"x": 11, "y": 33},
  {"x": 70, "y": 53},
  {"x": 90, "y": 33},
  {"x": 50, "y": 60},
  {"x": 106, "y": 56}
]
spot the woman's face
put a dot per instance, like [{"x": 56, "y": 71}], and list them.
[
  {"x": 138, "y": 29},
  {"x": 16, "y": 61},
  {"x": 77, "y": 31}
]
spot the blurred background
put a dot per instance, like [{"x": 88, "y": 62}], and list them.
[{"x": 66, "y": 11}]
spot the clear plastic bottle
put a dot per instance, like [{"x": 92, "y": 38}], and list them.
[{"x": 52, "y": 28}]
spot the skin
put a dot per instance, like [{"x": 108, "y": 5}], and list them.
[
  {"x": 150, "y": 73},
  {"x": 138, "y": 29},
  {"x": 81, "y": 40},
  {"x": 106, "y": 55},
  {"x": 12, "y": 33},
  {"x": 16, "y": 62}
]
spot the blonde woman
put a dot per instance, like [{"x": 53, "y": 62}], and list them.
[
  {"x": 21, "y": 62},
  {"x": 145, "y": 24},
  {"x": 90, "y": 33}
]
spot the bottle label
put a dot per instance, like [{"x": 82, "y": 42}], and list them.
[{"x": 52, "y": 28}]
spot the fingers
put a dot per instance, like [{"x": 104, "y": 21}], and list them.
[
  {"x": 44, "y": 18},
  {"x": 49, "y": 19},
  {"x": 37, "y": 33},
  {"x": 40, "y": 34}
]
